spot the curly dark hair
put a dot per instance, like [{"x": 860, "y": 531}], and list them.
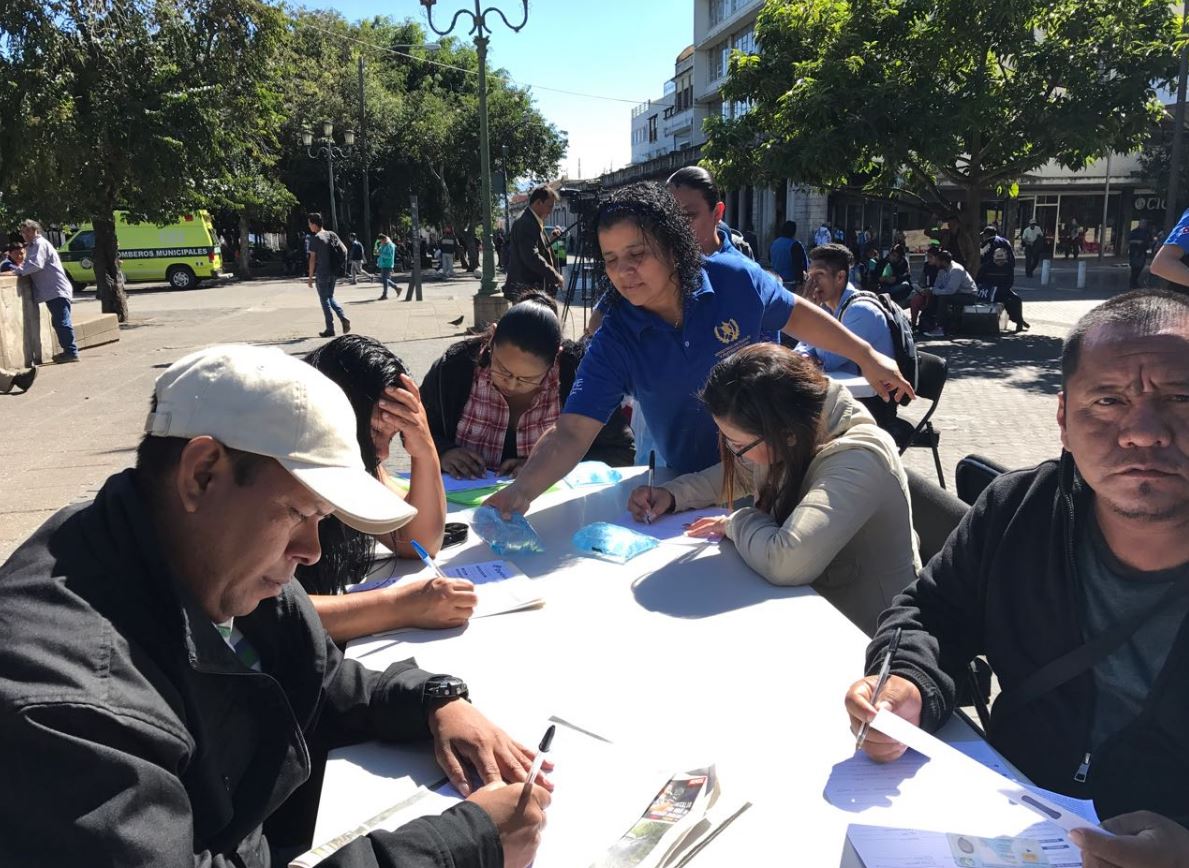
[{"x": 652, "y": 208}]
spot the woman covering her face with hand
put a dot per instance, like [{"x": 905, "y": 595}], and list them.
[
  {"x": 490, "y": 398},
  {"x": 387, "y": 405},
  {"x": 831, "y": 497}
]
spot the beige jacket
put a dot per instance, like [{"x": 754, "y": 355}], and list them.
[{"x": 850, "y": 536}]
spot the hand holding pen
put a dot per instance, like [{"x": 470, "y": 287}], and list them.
[{"x": 867, "y": 695}]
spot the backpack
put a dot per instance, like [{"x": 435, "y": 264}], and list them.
[
  {"x": 337, "y": 251},
  {"x": 903, "y": 343}
]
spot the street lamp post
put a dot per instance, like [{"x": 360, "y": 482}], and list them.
[
  {"x": 328, "y": 149},
  {"x": 481, "y": 32}
]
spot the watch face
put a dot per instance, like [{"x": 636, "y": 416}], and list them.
[{"x": 445, "y": 687}]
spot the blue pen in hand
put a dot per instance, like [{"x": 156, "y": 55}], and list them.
[{"x": 426, "y": 559}]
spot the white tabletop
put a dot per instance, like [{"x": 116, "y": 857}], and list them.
[{"x": 684, "y": 652}]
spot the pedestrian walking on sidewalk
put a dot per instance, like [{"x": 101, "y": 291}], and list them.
[
  {"x": 50, "y": 284},
  {"x": 1034, "y": 241},
  {"x": 446, "y": 248},
  {"x": 355, "y": 260},
  {"x": 385, "y": 261},
  {"x": 327, "y": 256},
  {"x": 1139, "y": 244}
]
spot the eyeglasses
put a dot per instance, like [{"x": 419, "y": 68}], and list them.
[
  {"x": 739, "y": 453},
  {"x": 504, "y": 374}
]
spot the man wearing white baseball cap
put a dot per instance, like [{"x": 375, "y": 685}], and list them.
[{"x": 160, "y": 673}]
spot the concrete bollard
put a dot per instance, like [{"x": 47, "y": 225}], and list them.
[
  {"x": 1046, "y": 268},
  {"x": 1081, "y": 274}
]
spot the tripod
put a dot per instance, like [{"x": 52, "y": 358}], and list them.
[{"x": 580, "y": 272}]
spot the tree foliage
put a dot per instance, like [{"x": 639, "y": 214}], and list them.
[
  {"x": 150, "y": 106},
  {"x": 922, "y": 98}
]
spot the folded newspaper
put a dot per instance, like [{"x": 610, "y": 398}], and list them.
[{"x": 684, "y": 816}]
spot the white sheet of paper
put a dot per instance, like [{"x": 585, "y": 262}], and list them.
[
  {"x": 910, "y": 848},
  {"x": 968, "y": 773},
  {"x": 981, "y": 752},
  {"x": 501, "y": 586},
  {"x": 599, "y": 791},
  {"x": 671, "y": 527}
]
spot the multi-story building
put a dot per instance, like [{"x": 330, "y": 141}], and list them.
[{"x": 666, "y": 124}]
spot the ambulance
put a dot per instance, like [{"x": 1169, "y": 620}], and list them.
[{"x": 180, "y": 253}]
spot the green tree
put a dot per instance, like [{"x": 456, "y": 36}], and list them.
[
  {"x": 1155, "y": 161},
  {"x": 940, "y": 101},
  {"x": 149, "y": 106}
]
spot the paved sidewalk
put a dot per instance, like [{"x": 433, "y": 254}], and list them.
[{"x": 80, "y": 423}]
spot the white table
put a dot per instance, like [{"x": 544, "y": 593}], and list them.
[
  {"x": 856, "y": 383},
  {"x": 683, "y": 650}
]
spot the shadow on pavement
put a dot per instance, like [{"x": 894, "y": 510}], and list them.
[{"x": 1032, "y": 362}]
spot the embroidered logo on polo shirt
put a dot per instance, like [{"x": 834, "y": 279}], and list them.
[{"x": 727, "y": 332}]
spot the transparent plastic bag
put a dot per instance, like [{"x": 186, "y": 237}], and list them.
[
  {"x": 514, "y": 536},
  {"x": 592, "y": 473},
  {"x": 606, "y": 540}
]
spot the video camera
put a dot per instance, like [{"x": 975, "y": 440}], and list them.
[{"x": 583, "y": 202}]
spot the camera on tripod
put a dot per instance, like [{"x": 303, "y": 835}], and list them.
[{"x": 584, "y": 203}]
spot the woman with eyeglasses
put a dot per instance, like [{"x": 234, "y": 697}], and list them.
[
  {"x": 671, "y": 316},
  {"x": 490, "y": 398},
  {"x": 831, "y": 503}
]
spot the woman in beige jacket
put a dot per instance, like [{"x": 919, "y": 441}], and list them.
[{"x": 831, "y": 496}]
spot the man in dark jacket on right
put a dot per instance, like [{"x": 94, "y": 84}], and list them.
[
  {"x": 530, "y": 264},
  {"x": 1072, "y": 578}
]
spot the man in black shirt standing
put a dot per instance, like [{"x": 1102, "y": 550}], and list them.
[{"x": 530, "y": 262}]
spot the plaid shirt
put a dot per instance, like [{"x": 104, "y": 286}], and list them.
[{"x": 484, "y": 422}]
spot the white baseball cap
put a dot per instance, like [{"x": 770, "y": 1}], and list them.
[{"x": 264, "y": 401}]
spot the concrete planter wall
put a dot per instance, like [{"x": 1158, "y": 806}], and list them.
[{"x": 25, "y": 334}]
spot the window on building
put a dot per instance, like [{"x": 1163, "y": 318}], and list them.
[
  {"x": 719, "y": 9},
  {"x": 651, "y": 129},
  {"x": 745, "y": 40}
]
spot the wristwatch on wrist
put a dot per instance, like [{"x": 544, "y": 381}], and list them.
[{"x": 440, "y": 689}]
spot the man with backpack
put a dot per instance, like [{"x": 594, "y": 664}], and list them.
[
  {"x": 325, "y": 263},
  {"x": 873, "y": 317},
  {"x": 997, "y": 273}
]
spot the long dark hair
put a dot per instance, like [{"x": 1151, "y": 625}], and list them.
[
  {"x": 363, "y": 367},
  {"x": 772, "y": 392},
  {"x": 530, "y": 325},
  {"x": 653, "y": 209}
]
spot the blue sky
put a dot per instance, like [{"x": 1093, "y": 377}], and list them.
[{"x": 611, "y": 48}]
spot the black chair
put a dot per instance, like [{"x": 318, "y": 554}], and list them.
[
  {"x": 935, "y": 514},
  {"x": 973, "y": 474},
  {"x": 932, "y": 372}
]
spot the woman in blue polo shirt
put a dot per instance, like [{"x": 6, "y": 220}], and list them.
[{"x": 665, "y": 328}]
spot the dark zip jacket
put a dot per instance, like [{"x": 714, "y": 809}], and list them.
[
  {"x": 131, "y": 734},
  {"x": 1006, "y": 586}
]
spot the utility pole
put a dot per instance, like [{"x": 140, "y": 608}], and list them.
[
  {"x": 507, "y": 208},
  {"x": 416, "y": 215},
  {"x": 367, "y": 193},
  {"x": 1172, "y": 213}
]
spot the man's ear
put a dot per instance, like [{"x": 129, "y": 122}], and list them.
[
  {"x": 1061, "y": 418},
  {"x": 200, "y": 464}
]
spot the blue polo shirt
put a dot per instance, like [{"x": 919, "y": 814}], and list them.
[
  {"x": 1180, "y": 233},
  {"x": 636, "y": 353},
  {"x": 734, "y": 272}
]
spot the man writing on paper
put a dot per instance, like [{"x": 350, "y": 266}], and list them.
[
  {"x": 161, "y": 673},
  {"x": 1072, "y": 578}
]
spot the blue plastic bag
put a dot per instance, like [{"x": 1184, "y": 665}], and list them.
[
  {"x": 514, "y": 536},
  {"x": 606, "y": 540},
  {"x": 592, "y": 473}
]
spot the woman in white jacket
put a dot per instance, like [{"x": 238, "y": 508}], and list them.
[{"x": 831, "y": 496}]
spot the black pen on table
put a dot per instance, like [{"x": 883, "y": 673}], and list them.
[
  {"x": 884, "y": 671},
  {"x": 535, "y": 768},
  {"x": 648, "y": 516}
]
